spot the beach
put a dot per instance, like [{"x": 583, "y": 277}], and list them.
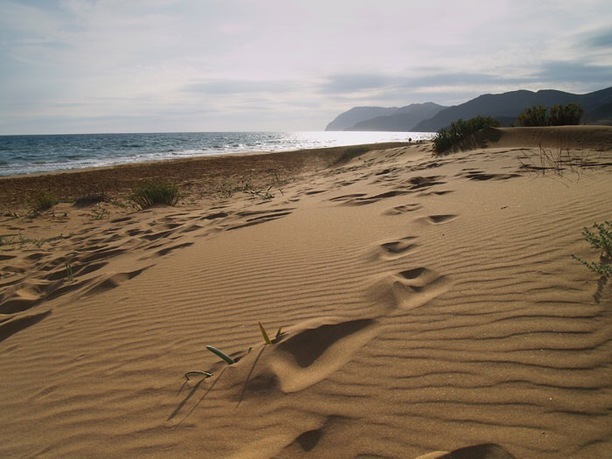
[{"x": 413, "y": 304}]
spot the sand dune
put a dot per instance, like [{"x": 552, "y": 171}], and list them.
[{"x": 429, "y": 307}]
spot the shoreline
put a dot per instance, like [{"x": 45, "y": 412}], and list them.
[{"x": 17, "y": 190}]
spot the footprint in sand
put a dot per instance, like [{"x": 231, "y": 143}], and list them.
[
  {"x": 11, "y": 326},
  {"x": 438, "y": 219},
  {"x": 111, "y": 281},
  {"x": 399, "y": 210},
  {"x": 258, "y": 217},
  {"x": 409, "y": 289},
  {"x": 396, "y": 249},
  {"x": 305, "y": 355},
  {"x": 362, "y": 200},
  {"x": 475, "y": 174}
]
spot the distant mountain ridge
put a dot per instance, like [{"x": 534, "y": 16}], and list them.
[
  {"x": 504, "y": 107},
  {"x": 383, "y": 118},
  {"x": 356, "y": 115},
  {"x": 402, "y": 120}
]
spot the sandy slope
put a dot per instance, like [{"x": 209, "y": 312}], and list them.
[{"x": 426, "y": 304}]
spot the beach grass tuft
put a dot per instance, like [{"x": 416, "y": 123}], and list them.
[
  {"x": 447, "y": 138},
  {"x": 150, "y": 193},
  {"x": 352, "y": 153},
  {"x": 43, "y": 201}
]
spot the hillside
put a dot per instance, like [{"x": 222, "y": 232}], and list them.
[
  {"x": 356, "y": 115},
  {"x": 505, "y": 107},
  {"x": 404, "y": 119},
  {"x": 510, "y": 104}
]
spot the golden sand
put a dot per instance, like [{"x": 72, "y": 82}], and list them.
[{"x": 427, "y": 304}]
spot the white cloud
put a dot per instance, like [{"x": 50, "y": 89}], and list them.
[{"x": 180, "y": 64}]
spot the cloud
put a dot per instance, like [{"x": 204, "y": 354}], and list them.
[
  {"x": 236, "y": 87},
  {"x": 68, "y": 61},
  {"x": 348, "y": 83},
  {"x": 575, "y": 72},
  {"x": 601, "y": 39}
]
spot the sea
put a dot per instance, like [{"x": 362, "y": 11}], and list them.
[{"x": 34, "y": 154}]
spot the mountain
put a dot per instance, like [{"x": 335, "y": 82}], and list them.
[
  {"x": 403, "y": 119},
  {"x": 507, "y": 106},
  {"x": 356, "y": 115}
]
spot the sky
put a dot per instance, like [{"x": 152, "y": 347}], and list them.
[{"x": 92, "y": 66}]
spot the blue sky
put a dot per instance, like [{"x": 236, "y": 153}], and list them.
[{"x": 77, "y": 66}]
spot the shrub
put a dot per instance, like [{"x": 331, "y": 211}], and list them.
[
  {"x": 459, "y": 130},
  {"x": 563, "y": 115},
  {"x": 91, "y": 198},
  {"x": 150, "y": 193},
  {"x": 43, "y": 201},
  {"x": 558, "y": 115},
  {"x": 351, "y": 153},
  {"x": 603, "y": 242},
  {"x": 533, "y": 116}
]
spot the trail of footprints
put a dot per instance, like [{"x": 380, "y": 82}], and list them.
[
  {"x": 82, "y": 263},
  {"x": 92, "y": 251},
  {"x": 311, "y": 351}
]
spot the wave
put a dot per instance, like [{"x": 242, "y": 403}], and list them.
[{"x": 49, "y": 153}]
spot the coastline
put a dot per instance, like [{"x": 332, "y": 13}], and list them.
[
  {"x": 424, "y": 304},
  {"x": 15, "y": 191}
]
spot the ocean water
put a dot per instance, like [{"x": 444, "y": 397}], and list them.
[{"x": 29, "y": 154}]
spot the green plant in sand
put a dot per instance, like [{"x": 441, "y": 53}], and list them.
[
  {"x": 207, "y": 374},
  {"x": 43, "y": 201},
  {"x": 150, "y": 193},
  {"x": 351, "y": 153},
  {"x": 227, "y": 359},
  {"x": 221, "y": 354},
  {"x": 69, "y": 272},
  {"x": 557, "y": 115},
  {"x": 564, "y": 115},
  {"x": 601, "y": 240},
  {"x": 266, "y": 337},
  {"x": 533, "y": 116},
  {"x": 446, "y": 138}
]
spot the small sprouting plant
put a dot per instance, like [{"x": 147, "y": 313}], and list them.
[
  {"x": 221, "y": 354},
  {"x": 264, "y": 334},
  {"x": 226, "y": 358},
  {"x": 266, "y": 337},
  {"x": 150, "y": 193},
  {"x": 601, "y": 239},
  {"x": 206, "y": 374},
  {"x": 69, "y": 272},
  {"x": 99, "y": 213}
]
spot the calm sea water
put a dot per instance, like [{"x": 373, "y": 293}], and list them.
[{"x": 30, "y": 154}]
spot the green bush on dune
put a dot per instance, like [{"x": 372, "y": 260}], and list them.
[
  {"x": 150, "y": 193},
  {"x": 563, "y": 115},
  {"x": 460, "y": 130},
  {"x": 557, "y": 115},
  {"x": 43, "y": 201}
]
